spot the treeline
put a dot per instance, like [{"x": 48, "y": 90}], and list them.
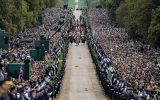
[
  {"x": 141, "y": 18},
  {"x": 16, "y": 15}
]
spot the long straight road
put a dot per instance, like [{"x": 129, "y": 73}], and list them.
[{"x": 80, "y": 80}]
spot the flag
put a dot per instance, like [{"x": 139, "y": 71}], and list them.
[{"x": 21, "y": 73}]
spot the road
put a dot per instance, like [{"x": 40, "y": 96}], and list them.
[{"x": 80, "y": 81}]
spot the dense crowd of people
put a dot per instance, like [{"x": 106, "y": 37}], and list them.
[
  {"x": 77, "y": 31},
  {"x": 133, "y": 62},
  {"x": 40, "y": 85},
  {"x": 128, "y": 69}
]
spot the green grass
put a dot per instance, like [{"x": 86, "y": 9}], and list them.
[
  {"x": 61, "y": 56},
  {"x": 59, "y": 68},
  {"x": 94, "y": 52},
  {"x": 71, "y": 3},
  {"x": 81, "y": 4},
  {"x": 51, "y": 62},
  {"x": 93, "y": 3}
]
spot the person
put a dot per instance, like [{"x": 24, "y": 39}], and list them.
[
  {"x": 83, "y": 39},
  {"x": 19, "y": 53},
  {"x": 42, "y": 47},
  {"x": 71, "y": 39},
  {"x": 33, "y": 95},
  {"x": 77, "y": 40},
  {"x": 1, "y": 75},
  {"x": 12, "y": 94},
  {"x": 4, "y": 94},
  {"x": 21, "y": 96},
  {"x": 134, "y": 61}
]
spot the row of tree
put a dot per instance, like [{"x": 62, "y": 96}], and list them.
[
  {"x": 16, "y": 15},
  {"x": 141, "y": 18}
]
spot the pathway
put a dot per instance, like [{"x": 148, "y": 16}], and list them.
[{"x": 80, "y": 80}]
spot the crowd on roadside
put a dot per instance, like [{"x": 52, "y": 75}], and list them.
[
  {"x": 133, "y": 62},
  {"x": 38, "y": 87},
  {"x": 42, "y": 84}
]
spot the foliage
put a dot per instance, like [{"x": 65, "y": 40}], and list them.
[
  {"x": 154, "y": 29},
  {"x": 121, "y": 14},
  {"x": 15, "y": 15},
  {"x": 139, "y": 17},
  {"x": 112, "y": 5},
  {"x": 139, "y": 12}
]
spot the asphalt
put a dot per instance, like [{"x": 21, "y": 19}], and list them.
[{"x": 80, "y": 81}]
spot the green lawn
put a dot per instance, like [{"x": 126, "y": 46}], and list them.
[
  {"x": 94, "y": 52},
  {"x": 81, "y": 4},
  {"x": 71, "y": 3},
  {"x": 59, "y": 68}
]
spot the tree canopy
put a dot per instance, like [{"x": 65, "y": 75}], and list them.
[
  {"x": 15, "y": 15},
  {"x": 141, "y": 18}
]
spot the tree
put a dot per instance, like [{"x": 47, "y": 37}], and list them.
[
  {"x": 143, "y": 18},
  {"x": 139, "y": 13},
  {"x": 121, "y": 14},
  {"x": 20, "y": 14},
  {"x": 154, "y": 29},
  {"x": 139, "y": 17},
  {"x": 7, "y": 10},
  {"x": 112, "y": 5},
  {"x": 15, "y": 15}
]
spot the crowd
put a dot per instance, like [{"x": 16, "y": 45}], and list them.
[
  {"x": 77, "y": 31},
  {"x": 40, "y": 86},
  {"x": 133, "y": 62}
]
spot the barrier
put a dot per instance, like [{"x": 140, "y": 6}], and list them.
[
  {"x": 13, "y": 70},
  {"x": 37, "y": 55},
  {"x": 3, "y": 40},
  {"x": 42, "y": 44}
]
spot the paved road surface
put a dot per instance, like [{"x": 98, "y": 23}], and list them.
[
  {"x": 80, "y": 81},
  {"x": 77, "y": 14}
]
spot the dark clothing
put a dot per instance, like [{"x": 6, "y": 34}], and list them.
[
  {"x": 5, "y": 97},
  {"x": 33, "y": 98},
  {"x": 22, "y": 98},
  {"x": 12, "y": 96},
  {"x": 46, "y": 96}
]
